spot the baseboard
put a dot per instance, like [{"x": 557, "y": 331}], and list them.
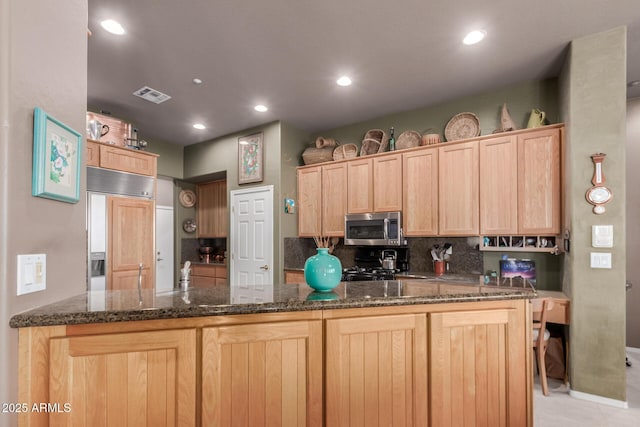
[
  {"x": 598, "y": 399},
  {"x": 634, "y": 350}
]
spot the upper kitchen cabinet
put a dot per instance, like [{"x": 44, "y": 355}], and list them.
[
  {"x": 458, "y": 189},
  {"x": 499, "y": 185},
  {"x": 387, "y": 183},
  {"x": 360, "y": 185},
  {"x": 122, "y": 159},
  {"x": 211, "y": 210},
  {"x": 375, "y": 184},
  {"x": 520, "y": 183},
  {"x": 539, "y": 195},
  {"x": 322, "y": 200},
  {"x": 309, "y": 201},
  {"x": 334, "y": 199},
  {"x": 420, "y": 193}
]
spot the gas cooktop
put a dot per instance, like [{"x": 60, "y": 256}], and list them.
[{"x": 361, "y": 274}]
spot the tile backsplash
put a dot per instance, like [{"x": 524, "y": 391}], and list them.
[{"x": 466, "y": 258}]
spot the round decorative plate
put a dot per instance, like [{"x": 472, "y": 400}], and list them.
[
  {"x": 461, "y": 126},
  {"x": 189, "y": 225},
  {"x": 187, "y": 198}
]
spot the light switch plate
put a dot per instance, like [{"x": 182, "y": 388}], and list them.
[
  {"x": 32, "y": 273},
  {"x": 600, "y": 260},
  {"x": 602, "y": 236}
]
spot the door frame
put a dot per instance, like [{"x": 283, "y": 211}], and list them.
[
  {"x": 173, "y": 246},
  {"x": 233, "y": 226}
]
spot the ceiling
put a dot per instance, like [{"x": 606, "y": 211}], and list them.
[{"x": 287, "y": 54}]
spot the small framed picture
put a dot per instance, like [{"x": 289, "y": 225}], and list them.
[
  {"x": 57, "y": 158},
  {"x": 250, "y": 159}
]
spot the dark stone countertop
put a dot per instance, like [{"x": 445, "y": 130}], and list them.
[{"x": 120, "y": 306}]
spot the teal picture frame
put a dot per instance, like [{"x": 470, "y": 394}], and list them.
[{"x": 57, "y": 158}]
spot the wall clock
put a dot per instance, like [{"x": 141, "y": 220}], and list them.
[{"x": 598, "y": 195}]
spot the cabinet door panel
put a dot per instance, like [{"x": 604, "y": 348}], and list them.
[
  {"x": 211, "y": 210},
  {"x": 539, "y": 183},
  {"x": 479, "y": 368},
  {"x": 125, "y": 379},
  {"x": 309, "y": 201},
  {"x": 387, "y": 183},
  {"x": 131, "y": 240},
  {"x": 127, "y": 160},
  {"x": 334, "y": 199},
  {"x": 376, "y": 371},
  {"x": 499, "y": 185},
  {"x": 267, "y": 374},
  {"x": 420, "y": 199},
  {"x": 360, "y": 186},
  {"x": 458, "y": 189}
]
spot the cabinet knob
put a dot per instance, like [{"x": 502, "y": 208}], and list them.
[{"x": 264, "y": 267}]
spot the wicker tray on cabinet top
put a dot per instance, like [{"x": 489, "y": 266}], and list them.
[{"x": 461, "y": 126}]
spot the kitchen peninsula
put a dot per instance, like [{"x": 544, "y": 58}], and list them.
[{"x": 435, "y": 351}]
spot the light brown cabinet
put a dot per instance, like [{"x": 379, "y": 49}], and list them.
[
  {"x": 131, "y": 242},
  {"x": 539, "y": 198},
  {"x": 478, "y": 371},
  {"x": 293, "y": 277},
  {"x": 211, "y": 209},
  {"x": 376, "y": 371},
  {"x": 458, "y": 188},
  {"x": 262, "y": 374},
  {"x": 334, "y": 199},
  {"x": 360, "y": 186},
  {"x": 322, "y": 200},
  {"x": 426, "y": 365},
  {"x": 420, "y": 193},
  {"x": 499, "y": 185},
  {"x": 140, "y": 378},
  {"x": 206, "y": 275},
  {"x": 520, "y": 184},
  {"x": 122, "y": 159},
  {"x": 310, "y": 201},
  {"x": 387, "y": 183}
]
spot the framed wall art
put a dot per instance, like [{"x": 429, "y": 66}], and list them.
[
  {"x": 250, "y": 159},
  {"x": 57, "y": 158}
]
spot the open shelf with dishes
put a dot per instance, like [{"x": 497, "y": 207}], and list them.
[{"x": 520, "y": 243}]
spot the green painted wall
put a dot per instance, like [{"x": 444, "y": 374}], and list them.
[
  {"x": 171, "y": 160},
  {"x": 593, "y": 107},
  {"x": 221, "y": 154},
  {"x": 520, "y": 100}
]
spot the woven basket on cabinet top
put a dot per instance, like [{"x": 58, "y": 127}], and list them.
[
  {"x": 375, "y": 135},
  {"x": 346, "y": 151},
  {"x": 408, "y": 139}
]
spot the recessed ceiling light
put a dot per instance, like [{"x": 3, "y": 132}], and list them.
[
  {"x": 112, "y": 26},
  {"x": 344, "y": 81},
  {"x": 474, "y": 37},
  {"x": 261, "y": 108},
  {"x": 199, "y": 126},
  {"x": 197, "y": 81},
  {"x": 633, "y": 83}
]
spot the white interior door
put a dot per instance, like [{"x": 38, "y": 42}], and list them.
[
  {"x": 251, "y": 260},
  {"x": 165, "y": 274}
]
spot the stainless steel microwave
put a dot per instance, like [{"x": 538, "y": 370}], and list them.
[{"x": 374, "y": 229}]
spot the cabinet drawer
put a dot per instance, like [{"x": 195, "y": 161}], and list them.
[
  {"x": 221, "y": 271},
  {"x": 127, "y": 160},
  {"x": 202, "y": 281},
  {"x": 203, "y": 270}
]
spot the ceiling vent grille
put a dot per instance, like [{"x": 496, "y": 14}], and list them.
[{"x": 152, "y": 95}]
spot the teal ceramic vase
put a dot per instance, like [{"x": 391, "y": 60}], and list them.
[{"x": 323, "y": 271}]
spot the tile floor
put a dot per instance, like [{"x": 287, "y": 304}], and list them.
[{"x": 559, "y": 409}]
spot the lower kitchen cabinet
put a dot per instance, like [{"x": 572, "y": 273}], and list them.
[
  {"x": 136, "y": 379},
  {"x": 206, "y": 275},
  {"x": 262, "y": 374},
  {"x": 376, "y": 371},
  {"x": 293, "y": 277},
  {"x": 478, "y": 369},
  {"x": 425, "y": 365}
]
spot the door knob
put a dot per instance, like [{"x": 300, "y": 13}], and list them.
[
  {"x": 159, "y": 259},
  {"x": 264, "y": 267}
]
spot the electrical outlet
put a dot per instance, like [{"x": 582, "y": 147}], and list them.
[{"x": 32, "y": 273}]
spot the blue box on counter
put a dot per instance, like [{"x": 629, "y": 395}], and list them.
[{"x": 518, "y": 268}]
